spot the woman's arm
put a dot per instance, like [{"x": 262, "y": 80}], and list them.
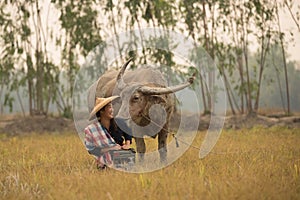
[
  {"x": 106, "y": 149},
  {"x": 97, "y": 151},
  {"x": 89, "y": 142}
]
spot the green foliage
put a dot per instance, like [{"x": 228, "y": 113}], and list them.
[
  {"x": 223, "y": 28},
  {"x": 273, "y": 86},
  {"x": 8, "y": 101}
]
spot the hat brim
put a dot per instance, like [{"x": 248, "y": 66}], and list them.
[{"x": 100, "y": 105}]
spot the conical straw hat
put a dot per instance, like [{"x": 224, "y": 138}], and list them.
[{"x": 100, "y": 103}]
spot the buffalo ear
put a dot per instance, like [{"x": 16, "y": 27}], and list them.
[{"x": 157, "y": 99}]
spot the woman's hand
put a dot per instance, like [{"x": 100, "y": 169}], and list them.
[{"x": 126, "y": 146}]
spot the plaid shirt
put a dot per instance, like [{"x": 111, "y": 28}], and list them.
[{"x": 97, "y": 137}]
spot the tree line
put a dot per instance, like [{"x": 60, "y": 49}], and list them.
[{"x": 31, "y": 29}]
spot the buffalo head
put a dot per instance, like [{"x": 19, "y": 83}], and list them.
[{"x": 145, "y": 103}]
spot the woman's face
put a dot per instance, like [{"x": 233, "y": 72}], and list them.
[{"x": 107, "y": 112}]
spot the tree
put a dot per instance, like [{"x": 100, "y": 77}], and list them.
[
  {"x": 281, "y": 39},
  {"x": 26, "y": 39},
  {"x": 79, "y": 35},
  {"x": 263, "y": 21},
  {"x": 224, "y": 28}
]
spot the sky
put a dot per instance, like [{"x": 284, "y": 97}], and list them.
[
  {"x": 286, "y": 21},
  {"x": 288, "y": 24}
]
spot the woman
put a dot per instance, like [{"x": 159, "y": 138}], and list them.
[{"x": 103, "y": 135}]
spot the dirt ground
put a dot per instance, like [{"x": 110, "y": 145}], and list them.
[
  {"x": 13, "y": 125},
  {"x": 243, "y": 121}
]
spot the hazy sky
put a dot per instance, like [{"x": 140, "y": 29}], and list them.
[{"x": 288, "y": 24}]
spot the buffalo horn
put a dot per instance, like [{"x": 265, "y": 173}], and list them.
[
  {"x": 120, "y": 81},
  {"x": 159, "y": 90}
]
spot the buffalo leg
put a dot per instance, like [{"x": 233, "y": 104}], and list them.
[
  {"x": 162, "y": 145},
  {"x": 140, "y": 148}
]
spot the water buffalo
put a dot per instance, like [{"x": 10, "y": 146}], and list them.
[{"x": 145, "y": 101}]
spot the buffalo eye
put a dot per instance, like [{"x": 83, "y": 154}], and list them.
[{"x": 135, "y": 98}]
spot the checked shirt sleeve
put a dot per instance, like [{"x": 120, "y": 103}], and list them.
[
  {"x": 96, "y": 139},
  {"x": 89, "y": 144}
]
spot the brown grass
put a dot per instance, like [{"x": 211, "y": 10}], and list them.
[{"x": 245, "y": 164}]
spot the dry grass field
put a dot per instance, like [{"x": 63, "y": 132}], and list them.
[{"x": 255, "y": 163}]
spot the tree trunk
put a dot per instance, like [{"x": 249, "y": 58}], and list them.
[
  {"x": 286, "y": 78},
  {"x": 203, "y": 94},
  {"x": 284, "y": 62},
  {"x": 242, "y": 90},
  {"x": 20, "y": 101},
  {"x": 245, "y": 53},
  {"x": 279, "y": 83},
  {"x": 263, "y": 54},
  {"x": 210, "y": 74},
  {"x": 227, "y": 90},
  {"x": 39, "y": 64}
]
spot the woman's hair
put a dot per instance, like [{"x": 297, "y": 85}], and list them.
[
  {"x": 98, "y": 112},
  {"x": 113, "y": 124}
]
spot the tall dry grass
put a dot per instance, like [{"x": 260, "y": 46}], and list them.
[{"x": 245, "y": 164}]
